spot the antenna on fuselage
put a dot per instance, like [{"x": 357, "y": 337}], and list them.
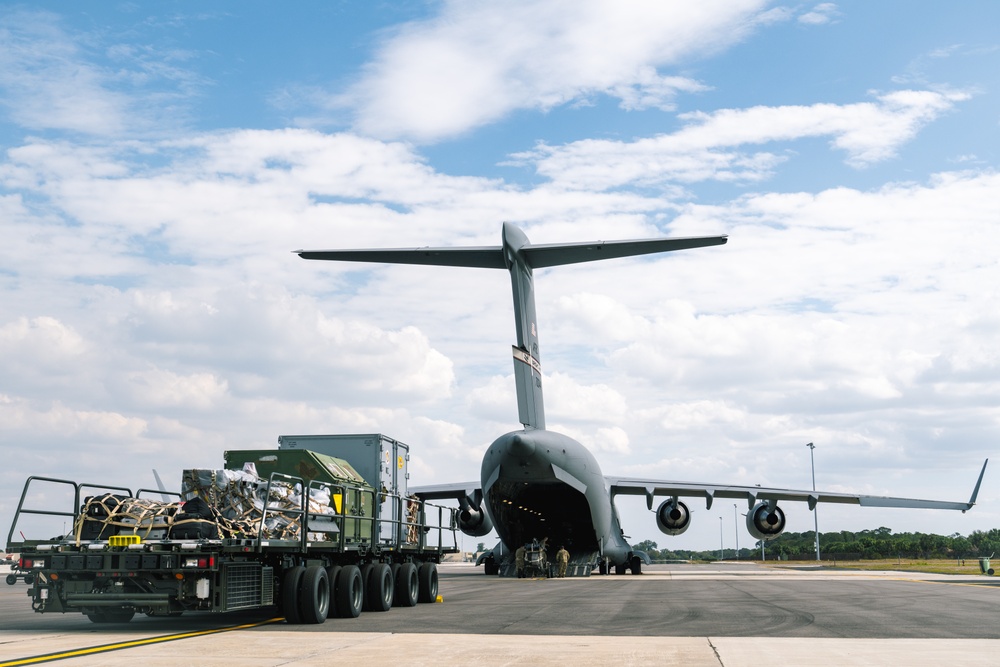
[{"x": 519, "y": 257}]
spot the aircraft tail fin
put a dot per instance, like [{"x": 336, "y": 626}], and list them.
[
  {"x": 519, "y": 256},
  {"x": 159, "y": 485}
]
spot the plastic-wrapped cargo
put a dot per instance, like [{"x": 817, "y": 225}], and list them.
[
  {"x": 336, "y": 487},
  {"x": 240, "y": 498}
]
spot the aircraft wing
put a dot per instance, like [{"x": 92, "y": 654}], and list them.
[
  {"x": 754, "y": 494},
  {"x": 455, "y": 491}
]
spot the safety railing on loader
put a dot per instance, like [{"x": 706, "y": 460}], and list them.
[
  {"x": 411, "y": 520},
  {"x": 350, "y": 516},
  {"x": 78, "y": 491},
  {"x": 354, "y": 521}
]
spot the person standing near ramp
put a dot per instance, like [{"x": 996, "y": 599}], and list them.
[{"x": 562, "y": 558}]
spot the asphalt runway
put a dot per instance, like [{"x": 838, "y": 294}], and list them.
[{"x": 730, "y": 614}]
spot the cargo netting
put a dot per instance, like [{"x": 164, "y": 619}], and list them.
[{"x": 219, "y": 504}]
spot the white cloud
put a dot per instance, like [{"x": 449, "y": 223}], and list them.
[
  {"x": 708, "y": 147},
  {"x": 824, "y": 12},
  {"x": 52, "y": 79},
  {"x": 474, "y": 64},
  {"x": 568, "y": 400},
  {"x": 160, "y": 389}
]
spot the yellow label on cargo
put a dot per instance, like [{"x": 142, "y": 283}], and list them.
[
  {"x": 124, "y": 540},
  {"x": 337, "y": 502}
]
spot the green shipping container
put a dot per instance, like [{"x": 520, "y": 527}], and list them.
[{"x": 352, "y": 497}]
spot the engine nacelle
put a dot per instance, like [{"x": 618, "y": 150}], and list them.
[
  {"x": 672, "y": 517},
  {"x": 473, "y": 521},
  {"x": 765, "y": 524}
]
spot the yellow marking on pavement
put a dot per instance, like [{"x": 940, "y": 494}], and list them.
[{"x": 62, "y": 655}]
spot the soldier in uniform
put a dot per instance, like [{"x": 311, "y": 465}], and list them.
[
  {"x": 562, "y": 558},
  {"x": 519, "y": 560}
]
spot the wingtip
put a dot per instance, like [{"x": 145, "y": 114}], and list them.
[{"x": 975, "y": 491}]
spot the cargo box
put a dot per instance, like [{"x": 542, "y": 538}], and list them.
[{"x": 381, "y": 461}]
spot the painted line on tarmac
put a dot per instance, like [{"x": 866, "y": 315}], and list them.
[{"x": 104, "y": 648}]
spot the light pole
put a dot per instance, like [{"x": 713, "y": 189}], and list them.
[
  {"x": 736, "y": 529},
  {"x": 722, "y": 548},
  {"x": 812, "y": 463}
]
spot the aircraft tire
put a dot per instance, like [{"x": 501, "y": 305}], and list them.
[
  {"x": 291, "y": 586},
  {"x": 314, "y": 597},
  {"x": 427, "y": 576},
  {"x": 620, "y": 569},
  {"x": 407, "y": 586},
  {"x": 635, "y": 564}
]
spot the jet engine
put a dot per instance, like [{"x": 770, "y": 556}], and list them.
[
  {"x": 672, "y": 517},
  {"x": 765, "y": 523},
  {"x": 472, "y": 520}
]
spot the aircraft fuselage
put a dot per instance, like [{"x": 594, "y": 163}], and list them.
[{"x": 542, "y": 484}]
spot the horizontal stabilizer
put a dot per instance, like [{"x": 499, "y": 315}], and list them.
[
  {"x": 557, "y": 254},
  {"x": 478, "y": 258},
  {"x": 535, "y": 256}
]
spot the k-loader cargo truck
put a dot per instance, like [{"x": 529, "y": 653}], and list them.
[{"x": 292, "y": 528}]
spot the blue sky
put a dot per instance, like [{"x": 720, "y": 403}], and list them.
[{"x": 160, "y": 160}]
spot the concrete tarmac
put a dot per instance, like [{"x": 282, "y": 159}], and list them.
[{"x": 731, "y": 615}]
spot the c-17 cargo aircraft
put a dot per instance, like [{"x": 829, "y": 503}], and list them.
[{"x": 536, "y": 483}]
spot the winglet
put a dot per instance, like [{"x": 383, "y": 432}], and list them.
[{"x": 975, "y": 491}]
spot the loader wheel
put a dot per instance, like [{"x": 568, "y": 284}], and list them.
[
  {"x": 428, "y": 578},
  {"x": 290, "y": 594},
  {"x": 11, "y": 579},
  {"x": 407, "y": 586},
  {"x": 314, "y": 596},
  {"x": 331, "y": 575},
  {"x": 366, "y": 576},
  {"x": 349, "y": 592},
  {"x": 380, "y": 588}
]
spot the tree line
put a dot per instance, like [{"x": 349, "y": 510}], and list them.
[{"x": 845, "y": 545}]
